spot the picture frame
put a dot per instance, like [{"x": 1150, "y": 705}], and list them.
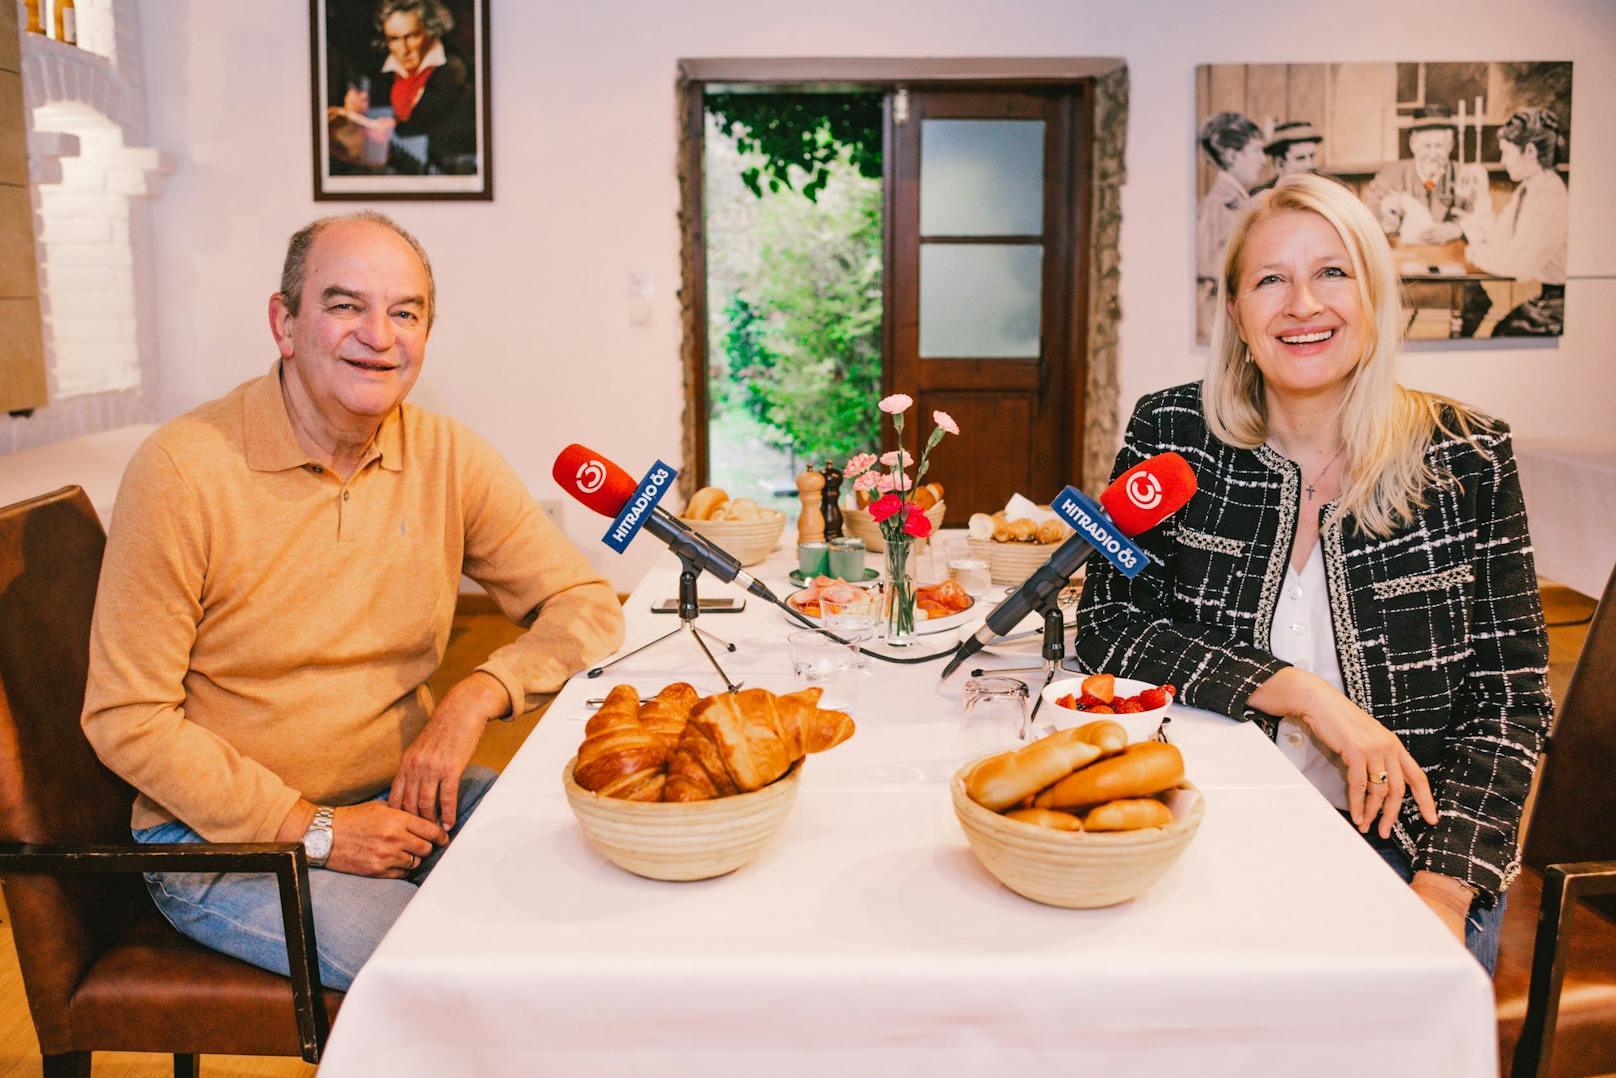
[
  {"x": 400, "y": 106},
  {"x": 1464, "y": 164}
]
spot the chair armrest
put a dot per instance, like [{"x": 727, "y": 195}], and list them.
[
  {"x": 287, "y": 861},
  {"x": 1563, "y": 886}
]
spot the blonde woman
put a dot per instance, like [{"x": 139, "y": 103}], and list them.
[{"x": 1354, "y": 571}]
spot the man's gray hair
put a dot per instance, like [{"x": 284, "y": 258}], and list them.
[
  {"x": 302, "y": 242},
  {"x": 435, "y": 18}
]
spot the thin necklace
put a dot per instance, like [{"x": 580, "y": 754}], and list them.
[{"x": 1311, "y": 490}]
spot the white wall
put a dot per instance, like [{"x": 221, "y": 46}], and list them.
[{"x": 535, "y": 347}]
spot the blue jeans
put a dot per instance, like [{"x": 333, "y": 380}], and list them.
[
  {"x": 1483, "y": 927},
  {"x": 240, "y": 913}
]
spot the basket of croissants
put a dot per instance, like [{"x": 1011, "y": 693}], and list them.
[
  {"x": 1014, "y": 547},
  {"x": 1079, "y": 818},
  {"x": 739, "y": 525},
  {"x": 685, "y": 787}
]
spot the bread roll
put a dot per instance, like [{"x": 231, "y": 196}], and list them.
[
  {"x": 1047, "y": 818},
  {"x": 739, "y": 509},
  {"x": 1129, "y": 814},
  {"x": 1002, "y": 533},
  {"x": 925, "y": 497},
  {"x": 1023, "y": 530},
  {"x": 1138, "y": 771},
  {"x": 705, "y": 502},
  {"x": 980, "y": 526},
  {"x": 1109, "y": 737},
  {"x": 1053, "y": 531},
  {"x": 1000, "y": 781}
]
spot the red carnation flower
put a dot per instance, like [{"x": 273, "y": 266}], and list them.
[{"x": 884, "y": 507}]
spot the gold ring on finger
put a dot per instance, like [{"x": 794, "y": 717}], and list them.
[{"x": 1378, "y": 779}]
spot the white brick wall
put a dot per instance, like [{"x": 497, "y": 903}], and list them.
[{"x": 91, "y": 172}]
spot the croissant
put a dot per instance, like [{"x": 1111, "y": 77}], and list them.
[
  {"x": 739, "y": 742},
  {"x": 666, "y": 713},
  {"x": 620, "y": 756}
]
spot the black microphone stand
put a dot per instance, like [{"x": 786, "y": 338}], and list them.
[
  {"x": 689, "y": 608},
  {"x": 1054, "y": 650}
]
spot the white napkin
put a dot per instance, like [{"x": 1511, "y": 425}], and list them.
[{"x": 1019, "y": 507}]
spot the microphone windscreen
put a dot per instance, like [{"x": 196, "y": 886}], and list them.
[
  {"x": 1149, "y": 492},
  {"x": 593, "y": 480}
]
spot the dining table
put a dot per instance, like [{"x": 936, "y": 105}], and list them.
[{"x": 867, "y": 938}]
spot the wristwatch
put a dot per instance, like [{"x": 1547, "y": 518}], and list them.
[{"x": 317, "y": 839}]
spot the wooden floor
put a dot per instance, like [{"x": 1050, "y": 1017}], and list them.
[{"x": 478, "y": 630}]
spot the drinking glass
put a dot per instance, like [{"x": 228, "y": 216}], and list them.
[
  {"x": 995, "y": 714},
  {"x": 820, "y": 661},
  {"x": 967, "y": 569}
]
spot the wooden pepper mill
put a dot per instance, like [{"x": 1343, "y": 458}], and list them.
[
  {"x": 811, "y": 522},
  {"x": 830, "y": 502}
]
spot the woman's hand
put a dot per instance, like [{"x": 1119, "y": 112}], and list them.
[
  {"x": 1448, "y": 898},
  {"x": 1367, "y": 748}
]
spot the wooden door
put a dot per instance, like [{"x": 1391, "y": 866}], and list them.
[{"x": 984, "y": 313}]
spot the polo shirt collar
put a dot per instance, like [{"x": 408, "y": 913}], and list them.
[{"x": 272, "y": 445}]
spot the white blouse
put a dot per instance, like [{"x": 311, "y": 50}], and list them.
[{"x": 1304, "y": 637}]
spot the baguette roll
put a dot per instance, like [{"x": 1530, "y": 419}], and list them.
[
  {"x": 704, "y": 503},
  {"x": 1050, "y": 819},
  {"x": 1128, "y": 814},
  {"x": 1000, "y": 781},
  {"x": 1138, "y": 771}
]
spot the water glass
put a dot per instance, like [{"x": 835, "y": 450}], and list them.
[
  {"x": 818, "y": 660},
  {"x": 967, "y": 569},
  {"x": 813, "y": 558},
  {"x": 847, "y": 558},
  {"x": 995, "y": 714}
]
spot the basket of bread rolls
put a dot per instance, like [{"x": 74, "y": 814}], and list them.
[
  {"x": 1079, "y": 818},
  {"x": 1014, "y": 547},
  {"x": 683, "y": 787},
  {"x": 739, "y": 525},
  {"x": 856, "y": 520}
]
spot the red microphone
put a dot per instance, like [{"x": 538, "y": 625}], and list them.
[
  {"x": 1149, "y": 492},
  {"x": 606, "y": 488},
  {"x": 593, "y": 480}
]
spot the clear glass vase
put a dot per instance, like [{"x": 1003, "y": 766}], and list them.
[{"x": 900, "y": 591}]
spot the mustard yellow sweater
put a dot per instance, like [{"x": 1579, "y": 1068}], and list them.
[{"x": 264, "y": 630}]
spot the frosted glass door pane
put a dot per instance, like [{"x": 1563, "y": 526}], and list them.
[
  {"x": 982, "y": 178},
  {"x": 980, "y": 301}
]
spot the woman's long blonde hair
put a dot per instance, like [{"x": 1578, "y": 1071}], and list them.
[{"x": 1386, "y": 427}]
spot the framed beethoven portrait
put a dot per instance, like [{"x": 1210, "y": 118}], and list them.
[{"x": 400, "y": 99}]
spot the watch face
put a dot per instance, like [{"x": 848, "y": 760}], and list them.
[{"x": 317, "y": 844}]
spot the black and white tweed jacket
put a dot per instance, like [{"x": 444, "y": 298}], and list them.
[{"x": 1438, "y": 629}]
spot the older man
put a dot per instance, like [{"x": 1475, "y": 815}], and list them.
[
  {"x": 279, "y": 581},
  {"x": 1421, "y": 198}
]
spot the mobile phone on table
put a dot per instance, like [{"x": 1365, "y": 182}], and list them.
[{"x": 726, "y": 605}]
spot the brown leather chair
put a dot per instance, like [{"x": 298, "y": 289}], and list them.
[
  {"x": 102, "y": 968},
  {"x": 1556, "y": 978}
]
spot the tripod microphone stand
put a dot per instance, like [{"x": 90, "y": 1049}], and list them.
[
  {"x": 1054, "y": 651},
  {"x": 689, "y": 607}
]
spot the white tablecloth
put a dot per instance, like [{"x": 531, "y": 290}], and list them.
[
  {"x": 1570, "y": 489},
  {"x": 867, "y": 939}
]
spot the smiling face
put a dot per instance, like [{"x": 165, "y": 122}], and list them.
[
  {"x": 1431, "y": 149},
  {"x": 407, "y": 39},
  {"x": 1296, "y": 305},
  {"x": 355, "y": 346}
]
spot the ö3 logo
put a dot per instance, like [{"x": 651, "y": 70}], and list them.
[
  {"x": 591, "y": 476},
  {"x": 1145, "y": 490}
]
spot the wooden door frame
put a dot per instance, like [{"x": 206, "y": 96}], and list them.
[{"x": 1101, "y": 85}]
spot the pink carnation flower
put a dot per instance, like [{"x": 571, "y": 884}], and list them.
[
  {"x": 889, "y": 459},
  {"x": 859, "y": 464},
  {"x": 946, "y": 421},
  {"x": 866, "y": 481},
  {"x": 898, "y": 402}
]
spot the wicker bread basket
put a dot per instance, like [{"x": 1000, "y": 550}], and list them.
[
  {"x": 1077, "y": 870},
  {"x": 682, "y": 840},
  {"x": 857, "y": 522},
  {"x": 1011, "y": 563},
  {"x": 749, "y": 540}
]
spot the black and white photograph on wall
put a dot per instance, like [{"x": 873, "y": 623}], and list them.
[
  {"x": 1465, "y": 166},
  {"x": 400, "y": 99}
]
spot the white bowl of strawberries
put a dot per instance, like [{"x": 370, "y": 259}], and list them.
[{"x": 1139, "y": 706}]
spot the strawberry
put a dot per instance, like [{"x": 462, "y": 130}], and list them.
[
  {"x": 1102, "y": 686},
  {"x": 1101, "y": 709},
  {"x": 1088, "y": 701},
  {"x": 1151, "y": 699},
  {"x": 1130, "y": 706},
  {"x": 1170, "y": 690},
  {"x": 1068, "y": 701}
]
